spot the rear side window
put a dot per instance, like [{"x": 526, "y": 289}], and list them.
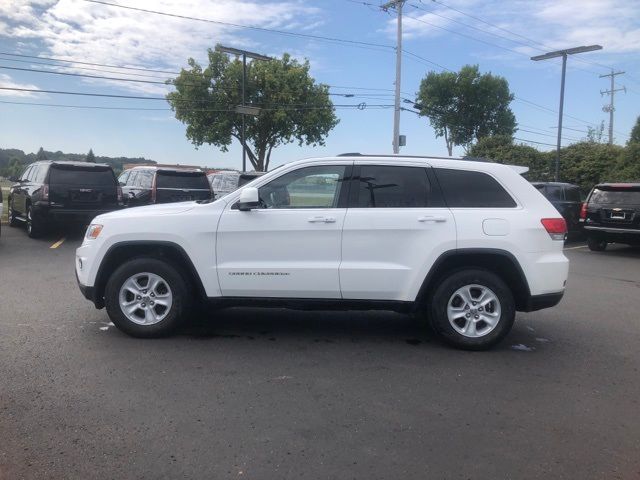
[
  {"x": 183, "y": 180},
  {"x": 122, "y": 179},
  {"x": 554, "y": 192},
  {"x": 144, "y": 179},
  {"x": 382, "y": 186},
  {"x": 225, "y": 181},
  {"x": 41, "y": 174},
  {"x": 625, "y": 196},
  {"x": 466, "y": 189},
  {"x": 572, "y": 195},
  {"x": 81, "y": 176}
]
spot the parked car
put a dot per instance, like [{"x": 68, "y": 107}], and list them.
[
  {"x": 567, "y": 199},
  {"x": 223, "y": 183},
  {"x": 611, "y": 214},
  {"x": 466, "y": 243},
  {"x": 54, "y": 192},
  {"x": 1, "y": 210},
  {"x": 149, "y": 185}
]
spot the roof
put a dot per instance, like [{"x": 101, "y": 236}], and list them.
[
  {"x": 559, "y": 184},
  {"x": 618, "y": 185},
  {"x": 167, "y": 169},
  {"x": 71, "y": 163}
]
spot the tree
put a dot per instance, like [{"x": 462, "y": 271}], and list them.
[
  {"x": 91, "y": 158},
  {"x": 587, "y": 163},
  {"x": 595, "y": 134},
  {"x": 635, "y": 133},
  {"x": 41, "y": 155},
  {"x": 501, "y": 149},
  {"x": 466, "y": 106},
  {"x": 293, "y": 106}
]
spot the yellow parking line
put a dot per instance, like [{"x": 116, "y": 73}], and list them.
[{"x": 58, "y": 243}]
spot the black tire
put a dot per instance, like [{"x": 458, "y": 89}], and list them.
[
  {"x": 596, "y": 244},
  {"x": 174, "y": 279},
  {"x": 11, "y": 214},
  {"x": 35, "y": 228},
  {"x": 444, "y": 293}
]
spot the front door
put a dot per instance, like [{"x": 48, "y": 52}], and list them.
[
  {"x": 396, "y": 227},
  {"x": 290, "y": 245}
]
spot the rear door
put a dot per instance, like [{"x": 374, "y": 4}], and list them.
[
  {"x": 395, "y": 228},
  {"x": 176, "y": 186},
  {"x": 615, "y": 206},
  {"x": 19, "y": 192},
  {"x": 91, "y": 187}
]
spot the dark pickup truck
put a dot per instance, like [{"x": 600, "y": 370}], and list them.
[
  {"x": 52, "y": 192},
  {"x": 611, "y": 214}
]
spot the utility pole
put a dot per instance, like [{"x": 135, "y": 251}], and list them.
[
  {"x": 397, "y": 4},
  {"x": 611, "y": 107},
  {"x": 564, "y": 54}
]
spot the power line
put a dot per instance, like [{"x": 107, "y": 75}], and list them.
[{"x": 533, "y": 141}]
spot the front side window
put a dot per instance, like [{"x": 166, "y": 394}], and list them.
[
  {"x": 382, "y": 186},
  {"x": 309, "y": 187},
  {"x": 467, "y": 189}
]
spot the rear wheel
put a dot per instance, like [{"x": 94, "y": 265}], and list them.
[
  {"x": 596, "y": 244},
  {"x": 12, "y": 214},
  {"x": 34, "y": 224},
  {"x": 147, "y": 297},
  {"x": 472, "y": 309}
]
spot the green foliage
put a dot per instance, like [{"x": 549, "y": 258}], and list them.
[
  {"x": 91, "y": 158},
  {"x": 501, "y": 149},
  {"x": 595, "y": 134},
  {"x": 630, "y": 164},
  {"x": 588, "y": 163},
  {"x": 466, "y": 106},
  {"x": 635, "y": 133},
  {"x": 294, "y": 107},
  {"x": 14, "y": 161}
]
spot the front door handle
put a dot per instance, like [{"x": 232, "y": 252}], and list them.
[
  {"x": 321, "y": 220},
  {"x": 432, "y": 219}
]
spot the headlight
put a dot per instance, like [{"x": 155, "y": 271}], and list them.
[{"x": 93, "y": 231}]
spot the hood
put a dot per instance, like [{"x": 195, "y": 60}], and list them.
[{"x": 150, "y": 210}]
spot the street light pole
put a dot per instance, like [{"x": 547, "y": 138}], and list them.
[
  {"x": 564, "y": 54},
  {"x": 242, "y": 109}
]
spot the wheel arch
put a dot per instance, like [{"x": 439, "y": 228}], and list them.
[
  {"x": 501, "y": 262},
  {"x": 121, "y": 252}
]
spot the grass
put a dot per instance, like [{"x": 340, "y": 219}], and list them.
[{"x": 5, "y": 195}]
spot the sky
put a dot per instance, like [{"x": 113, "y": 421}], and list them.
[{"x": 497, "y": 35}]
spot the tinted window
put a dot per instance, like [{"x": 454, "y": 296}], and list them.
[
  {"x": 572, "y": 194},
  {"x": 144, "y": 179},
  {"x": 462, "y": 188},
  {"x": 185, "y": 180},
  {"x": 554, "y": 192},
  {"x": 122, "y": 179},
  {"x": 26, "y": 173},
  {"x": 382, "y": 186},
  {"x": 244, "y": 179},
  {"x": 40, "y": 174},
  {"x": 310, "y": 187},
  {"x": 81, "y": 176},
  {"x": 627, "y": 196}
]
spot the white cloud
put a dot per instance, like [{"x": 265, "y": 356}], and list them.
[
  {"x": 7, "y": 81},
  {"x": 72, "y": 29}
]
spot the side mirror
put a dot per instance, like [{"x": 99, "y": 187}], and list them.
[{"x": 249, "y": 199}]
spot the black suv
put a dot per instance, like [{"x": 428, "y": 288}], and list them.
[
  {"x": 148, "y": 185},
  {"x": 567, "y": 199},
  {"x": 612, "y": 214},
  {"x": 49, "y": 192}
]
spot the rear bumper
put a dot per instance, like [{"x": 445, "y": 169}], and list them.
[
  {"x": 547, "y": 300},
  {"x": 47, "y": 212},
  {"x": 612, "y": 234}
]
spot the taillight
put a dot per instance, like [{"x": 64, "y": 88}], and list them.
[
  {"x": 119, "y": 194},
  {"x": 45, "y": 192},
  {"x": 583, "y": 211},
  {"x": 555, "y": 227},
  {"x": 154, "y": 190}
]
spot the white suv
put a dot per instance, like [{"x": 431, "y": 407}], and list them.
[{"x": 466, "y": 243}]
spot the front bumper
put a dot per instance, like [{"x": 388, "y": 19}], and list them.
[{"x": 90, "y": 294}]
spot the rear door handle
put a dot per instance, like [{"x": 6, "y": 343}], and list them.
[
  {"x": 432, "y": 219},
  {"x": 321, "y": 220}
]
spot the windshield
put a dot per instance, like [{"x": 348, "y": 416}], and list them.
[
  {"x": 81, "y": 176},
  {"x": 626, "y": 196}
]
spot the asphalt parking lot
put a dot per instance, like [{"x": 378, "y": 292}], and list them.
[{"x": 252, "y": 393}]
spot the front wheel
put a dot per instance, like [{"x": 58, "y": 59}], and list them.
[
  {"x": 472, "y": 309},
  {"x": 147, "y": 298},
  {"x": 596, "y": 244}
]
